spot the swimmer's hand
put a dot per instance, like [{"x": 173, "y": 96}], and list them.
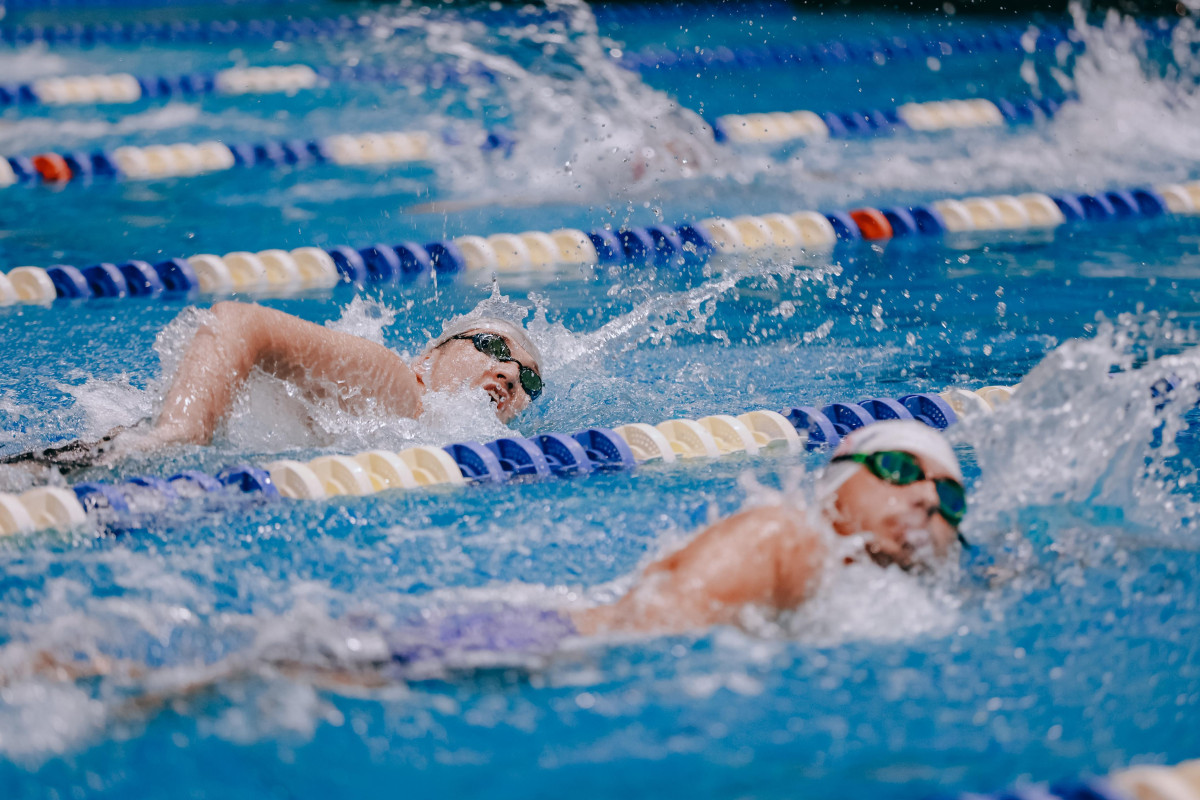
[
  {"x": 766, "y": 557},
  {"x": 80, "y": 454},
  {"x": 144, "y": 438}
]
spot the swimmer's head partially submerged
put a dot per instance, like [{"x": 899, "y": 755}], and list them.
[
  {"x": 487, "y": 353},
  {"x": 900, "y": 482},
  {"x": 360, "y": 376}
]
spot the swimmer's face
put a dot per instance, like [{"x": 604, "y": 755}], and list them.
[
  {"x": 456, "y": 364},
  {"x": 902, "y": 522}
]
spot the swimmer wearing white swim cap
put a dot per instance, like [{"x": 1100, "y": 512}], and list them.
[
  {"x": 473, "y": 352},
  {"x": 898, "y": 484}
]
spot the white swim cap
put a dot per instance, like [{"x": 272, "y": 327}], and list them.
[
  {"x": 906, "y": 435},
  {"x": 511, "y": 331}
]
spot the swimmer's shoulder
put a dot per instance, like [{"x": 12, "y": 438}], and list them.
[
  {"x": 772, "y": 521},
  {"x": 799, "y": 551},
  {"x": 780, "y": 538}
]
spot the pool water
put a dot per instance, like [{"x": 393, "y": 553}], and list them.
[{"x": 1063, "y": 643}]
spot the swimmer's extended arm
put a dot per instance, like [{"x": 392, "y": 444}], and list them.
[
  {"x": 324, "y": 362},
  {"x": 765, "y": 557}
]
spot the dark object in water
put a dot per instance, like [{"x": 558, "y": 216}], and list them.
[{"x": 69, "y": 458}]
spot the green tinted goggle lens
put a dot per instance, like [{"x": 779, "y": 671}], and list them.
[
  {"x": 495, "y": 346},
  {"x": 952, "y": 500},
  {"x": 902, "y": 469},
  {"x": 895, "y": 467},
  {"x": 531, "y": 382}
]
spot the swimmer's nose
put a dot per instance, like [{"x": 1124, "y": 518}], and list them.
[
  {"x": 508, "y": 373},
  {"x": 924, "y": 496}
]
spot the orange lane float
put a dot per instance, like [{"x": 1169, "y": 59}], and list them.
[{"x": 873, "y": 224}]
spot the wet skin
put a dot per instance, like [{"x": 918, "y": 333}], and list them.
[
  {"x": 237, "y": 338},
  {"x": 457, "y": 364},
  {"x": 903, "y": 522},
  {"x": 770, "y": 557}
]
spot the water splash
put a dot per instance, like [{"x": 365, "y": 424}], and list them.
[
  {"x": 1134, "y": 122},
  {"x": 578, "y": 126},
  {"x": 366, "y": 318},
  {"x": 1087, "y": 427},
  {"x": 900, "y": 607},
  {"x": 109, "y": 403}
]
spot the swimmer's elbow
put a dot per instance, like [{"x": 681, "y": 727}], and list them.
[
  {"x": 231, "y": 314},
  {"x": 229, "y": 320},
  {"x": 226, "y": 309},
  {"x": 243, "y": 329}
]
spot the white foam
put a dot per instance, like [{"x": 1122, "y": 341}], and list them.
[
  {"x": 366, "y": 318},
  {"x": 107, "y": 403},
  {"x": 863, "y": 602},
  {"x": 1131, "y": 125},
  {"x": 583, "y": 126}
]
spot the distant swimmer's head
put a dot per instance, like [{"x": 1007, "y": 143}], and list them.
[
  {"x": 900, "y": 482},
  {"x": 488, "y": 353}
]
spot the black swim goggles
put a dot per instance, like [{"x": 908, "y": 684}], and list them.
[
  {"x": 902, "y": 469},
  {"x": 496, "y": 346}
]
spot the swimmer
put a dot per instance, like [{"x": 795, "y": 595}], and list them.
[
  {"x": 359, "y": 375},
  {"x": 896, "y": 486},
  {"x": 897, "y": 483}
]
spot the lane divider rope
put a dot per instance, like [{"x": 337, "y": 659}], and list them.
[
  {"x": 201, "y": 158},
  {"x": 140, "y": 33},
  {"x": 544, "y": 456},
  {"x": 547, "y": 455},
  {"x": 124, "y": 88},
  {"x": 189, "y": 159},
  {"x": 688, "y": 245},
  {"x": 936, "y": 115}
]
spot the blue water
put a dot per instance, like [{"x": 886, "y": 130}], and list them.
[{"x": 1064, "y": 644}]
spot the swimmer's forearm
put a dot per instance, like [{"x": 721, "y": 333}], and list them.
[{"x": 217, "y": 362}]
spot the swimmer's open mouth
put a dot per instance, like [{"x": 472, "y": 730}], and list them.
[
  {"x": 902, "y": 554},
  {"x": 496, "y": 393}
]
